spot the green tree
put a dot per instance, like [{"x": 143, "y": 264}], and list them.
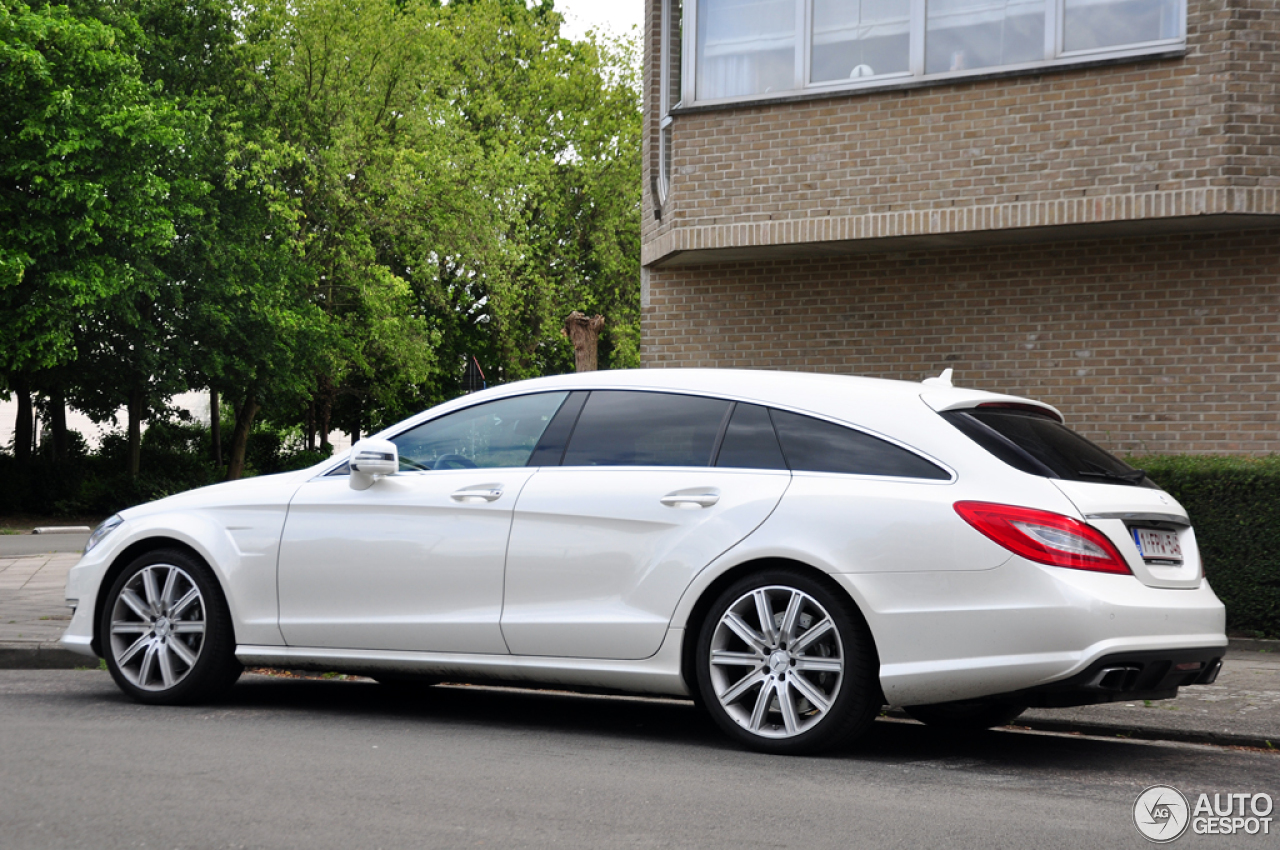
[{"x": 87, "y": 157}]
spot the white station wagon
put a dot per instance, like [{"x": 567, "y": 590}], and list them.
[{"x": 793, "y": 551}]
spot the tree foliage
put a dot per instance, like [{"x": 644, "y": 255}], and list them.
[{"x": 319, "y": 209}]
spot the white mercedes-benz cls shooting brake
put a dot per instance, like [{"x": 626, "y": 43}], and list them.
[{"x": 793, "y": 551}]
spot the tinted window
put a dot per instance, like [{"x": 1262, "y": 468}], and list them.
[
  {"x": 817, "y": 446},
  {"x": 1043, "y": 446},
  {"x": 623, "y": 428},
  {"x": 749, "y": 442},
  {"x": 500, "y": 433},
  {"x": 552, "y": 444}
]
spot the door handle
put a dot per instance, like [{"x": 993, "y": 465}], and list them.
[
  {"x": 691, "y": 498},
  {"x": 482, "y": 493}
]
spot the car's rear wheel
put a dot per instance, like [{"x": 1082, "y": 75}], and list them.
[
  {"x": 970, "y": 716},
  {"x": 166, "y": 631},
  {"x": 786, "y": 665}
]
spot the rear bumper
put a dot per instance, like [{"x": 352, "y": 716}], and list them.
[
  {"x": 1042, "y": 632},
  {"x": 1126, "y": 676}
]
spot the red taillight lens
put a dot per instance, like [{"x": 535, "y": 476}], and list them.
[{"x": 1045, "y": 538}]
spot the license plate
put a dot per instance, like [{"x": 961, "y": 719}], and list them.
[{"x": 1157, "y": 545}]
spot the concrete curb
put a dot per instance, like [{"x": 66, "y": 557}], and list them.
[
  {"x": 1127, "y": 731},
  {"x": 41, "y": 656}
]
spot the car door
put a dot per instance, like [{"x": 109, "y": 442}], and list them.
[
  {"x": 603, "y": 546},
  {"x": 415, "y": 562}
]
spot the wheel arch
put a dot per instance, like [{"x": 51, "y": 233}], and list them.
[
  {"x": 697, "y": 614},
  {"x": 127, "y": 556}
]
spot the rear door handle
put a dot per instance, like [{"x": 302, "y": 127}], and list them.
[
  {"x": 691, "y": 498},
  {"x": 480, "y": 493}
]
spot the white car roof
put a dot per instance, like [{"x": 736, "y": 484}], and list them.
[{"x": 889, "y": 407}]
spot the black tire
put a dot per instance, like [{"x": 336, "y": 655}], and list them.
[
  {"x": 165, "y": 631},
  {"x": 761, "y": 691},
  {"x": 969, "y": 716}
]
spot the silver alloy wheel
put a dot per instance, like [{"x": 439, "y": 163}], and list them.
[
  {"x": 157, "y": 627},
  {"x": 777, "y": 662}
]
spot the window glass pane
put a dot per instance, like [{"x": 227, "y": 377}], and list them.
[
  {"x": 673, "y": 32},
  {"x": 966, "y": 34},
  {"x": 500, "y": 433},
  {"x": 1059, "y": 449},
  {"x": 555, "y": 438},
  {"x": 1090, "y": 24},
  {"x": 645, "y": 429},
  {"x": 817, "y": 446},
  {"x": 859, "y": 38},
  {"x": 745, "y": 47},
  {"x": 749, "y": 441}
]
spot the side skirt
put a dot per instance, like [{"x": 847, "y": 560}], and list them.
[{"x": 658, "y": 674}]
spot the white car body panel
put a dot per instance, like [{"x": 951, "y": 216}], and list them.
[
  {"x": 597, "y": 562},
  {"x": 582, "y": 577},
  {"x": 658, "y": 674},
  {"x": 412, "y": 563}
]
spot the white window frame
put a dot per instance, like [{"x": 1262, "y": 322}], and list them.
[
  {"x": 1055, "y": 55},
  {"x": 664, "y": 97}
]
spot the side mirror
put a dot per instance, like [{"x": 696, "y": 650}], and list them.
[{"x": 371, "y": 459}]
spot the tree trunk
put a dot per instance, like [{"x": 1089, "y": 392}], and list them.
[
  {"x": 240, "y": 436},
  {"x": 58, "y": 424},
  {"x": 215, "y": 427},
  {"x": 136, "y": 398},
  {"x": 310, "y": 424},
  {"x": 585, "y": 334},
  {"x": 324, "y": 414},
  {"x": 24, "y": 427}
]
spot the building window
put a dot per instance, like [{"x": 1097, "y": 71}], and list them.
[
  {"x": 670, "y": 62},
  {"x": 755, "y": 49}
]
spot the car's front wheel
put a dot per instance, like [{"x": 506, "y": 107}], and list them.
[
  {"x": 786, "y": 665},
  {"x": 166, "y": 632}
]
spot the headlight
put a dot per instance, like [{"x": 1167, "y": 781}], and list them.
[{"x": 105, "y": 528}]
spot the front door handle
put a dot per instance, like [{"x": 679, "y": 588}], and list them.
[
  {"x": 698, "y": 498},
  {"x": 479, "y": 493}
]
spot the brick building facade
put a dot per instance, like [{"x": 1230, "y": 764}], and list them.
[{"x": 1097, "y": 229}]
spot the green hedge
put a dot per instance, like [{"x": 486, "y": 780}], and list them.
[{"x": 1234, "y": 504}]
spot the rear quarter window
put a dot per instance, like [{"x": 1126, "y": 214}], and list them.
[{"x": 814, "y": 445}]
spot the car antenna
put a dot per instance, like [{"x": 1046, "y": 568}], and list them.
[{"x": 943, "y": 380}]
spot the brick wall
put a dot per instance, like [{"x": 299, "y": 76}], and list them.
[
  {"x": 1193, "y": 135},
  {"x": 1153, "y": 344}
]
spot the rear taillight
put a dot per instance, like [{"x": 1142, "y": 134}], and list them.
[{"x": 1044, "y": 537}]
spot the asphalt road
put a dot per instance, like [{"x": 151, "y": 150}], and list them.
[{"x": 344, "y": 764}]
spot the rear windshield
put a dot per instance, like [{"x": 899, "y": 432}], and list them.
[{"x": 1040, "y": 445}]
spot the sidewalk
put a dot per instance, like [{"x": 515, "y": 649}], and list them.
[
  {"x": 1242, "y": 708},
  {"x": 34, "y": 612}
]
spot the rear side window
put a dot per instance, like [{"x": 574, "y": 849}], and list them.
[
  {"x": 749, "y": 442},
  {"x": 814, "y": 445},
  {"x": 626, "y": 428},
  {"x": 1041, "y": 445}
]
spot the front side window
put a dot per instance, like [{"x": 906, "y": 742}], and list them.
[
  {"x": 747, "y": 49},
  {"x": 499, "y": 433},
  {"x": 626, "y": 428}
]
